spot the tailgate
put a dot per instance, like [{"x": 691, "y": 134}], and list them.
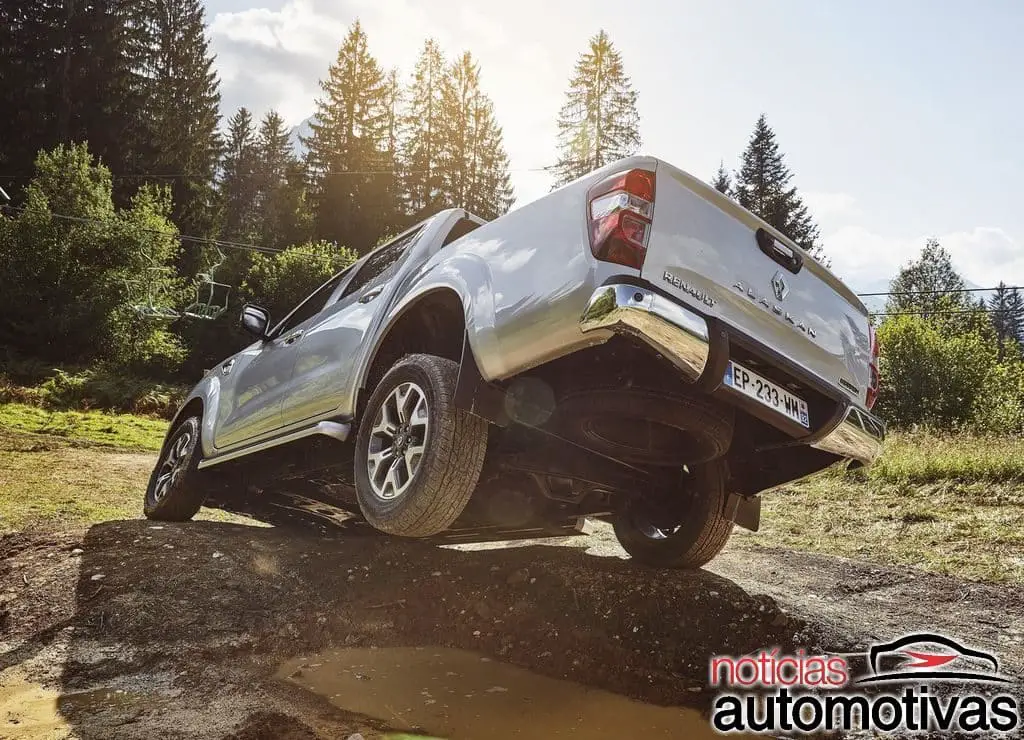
[{"x": 705, "y": 250}]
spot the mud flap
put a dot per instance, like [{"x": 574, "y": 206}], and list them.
[
  {"x": 476, "y": 395},
  {"x": 744, "y": 511}
]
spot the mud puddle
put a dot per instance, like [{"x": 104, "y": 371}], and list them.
[
  {"x": 455, "y": 694},
  {"x": 31, "y": 711}
]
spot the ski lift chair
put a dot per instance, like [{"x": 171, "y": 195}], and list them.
[
  {"x": 147, "y": 305},
  {"x": 211, "y": 296},
  {"x": 211, "y": 299}
]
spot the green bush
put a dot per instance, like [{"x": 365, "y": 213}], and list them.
[
  {"x": 999, "y": 406},
  {"x": 72, "y": 267},
  {"x": 279, "y": 282},
  {"x": 929, "y": 378}
]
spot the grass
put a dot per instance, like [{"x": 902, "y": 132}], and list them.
[
  {"x": 924, "y": 458},
  {"x": 946, "y": 504},
  {"x": 113, "y": 430},
  {"x": 51, "y": 483}
]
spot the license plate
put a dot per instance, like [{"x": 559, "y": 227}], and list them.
[{"x": 770, "y": 394}]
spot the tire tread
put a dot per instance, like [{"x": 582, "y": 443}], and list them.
[{"x": 453, "y": 460}]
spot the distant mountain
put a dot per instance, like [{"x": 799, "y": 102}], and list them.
[{"x": 303, "y": 129}]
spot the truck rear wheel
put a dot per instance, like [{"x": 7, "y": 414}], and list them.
[
  {"x": 690, "y": 538},
  {"x": 418, "y": 457}
]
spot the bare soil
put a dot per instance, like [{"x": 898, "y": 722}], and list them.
[{"x": 139, "y": 630}]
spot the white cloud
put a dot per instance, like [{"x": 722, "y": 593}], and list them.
[
  {"x": 829, "y": 208},
  {"x": 867, "y": 259},
  {"x": 983, "y": 255}
]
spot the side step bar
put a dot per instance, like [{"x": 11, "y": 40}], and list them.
[{"x": 335, "y": 429}]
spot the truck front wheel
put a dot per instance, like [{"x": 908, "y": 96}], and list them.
[
  {"x": 418, "y": 457},
  {"x": 176, "y": 492},
  {"x": 690, "y": 537}
]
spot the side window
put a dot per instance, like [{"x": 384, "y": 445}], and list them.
[
  {"x": 311, "y": 306},
  {"x": 380, "y": 262}
]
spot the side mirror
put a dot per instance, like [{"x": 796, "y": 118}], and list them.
[{"x": 255, "y": 320}]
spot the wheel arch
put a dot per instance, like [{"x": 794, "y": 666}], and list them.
[
  {"x": 432, "y": 322},
  {"x": 194, "y": 406}
]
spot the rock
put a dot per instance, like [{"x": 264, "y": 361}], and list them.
[
  {"x": 77, "y": 552},
  {"x": 97, "y": 577},
  {"x": 780, "y": 620},
  {"x": 519, "y": 576}
]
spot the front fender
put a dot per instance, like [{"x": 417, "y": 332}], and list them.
[{"x": 206, "y": 392}]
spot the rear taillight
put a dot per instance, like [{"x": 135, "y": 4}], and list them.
[
  {"x": 873, "y": 385},
  {"x": 619, "y": 212}
]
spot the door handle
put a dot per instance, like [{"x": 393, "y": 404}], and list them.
[
  {"x": 226, "y": 367},
  {"x": 293, "y": 337},
  {"x": 371, "y": 295}
]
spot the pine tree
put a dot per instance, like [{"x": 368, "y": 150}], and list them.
[
  {"x": 180, "y": 114},
  {"x": 763, "y": 188},
  {"x": 1015, "y": 310},
  {"x": 423, "y": 135},
  {"x": 239, "y": 183},
  {"x": 389, "y": 182},
  {"x": 599, "y": 122},
  {"x": 475, "y": 167},
  {"x": 284, "y": 217},
  {"x": 65, "y": 76},
  {"x": 722, "y": 181},
  {"x": 928, "y": 285},
  {"x": 346, "y": 151},
  {"x": 1006, "y": 309}
]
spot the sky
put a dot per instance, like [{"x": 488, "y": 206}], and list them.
[{"x": 900, "y": 119}]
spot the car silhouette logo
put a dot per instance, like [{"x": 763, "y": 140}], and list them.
[
  {"x": 779, "y": 286},
  {"x": 927, "y": 657}
]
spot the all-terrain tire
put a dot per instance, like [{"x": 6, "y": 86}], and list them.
[
  {"x": 447, "y": 472},
  {"x": 646, "y": 426},
  {"x": 179, "y": 497},
  {"x": 701, "y": 535}
]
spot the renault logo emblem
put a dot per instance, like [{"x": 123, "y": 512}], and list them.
[{"x": 779, "y": 286}]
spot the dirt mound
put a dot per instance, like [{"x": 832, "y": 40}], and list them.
[{"x": 189, "y": 622}]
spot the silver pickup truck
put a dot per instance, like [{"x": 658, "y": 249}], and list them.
[{"x": 634, "y": 347}]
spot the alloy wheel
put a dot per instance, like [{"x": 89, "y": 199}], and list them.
[
  {"x": 174, "y": 464},
  {"x": 398, "y": 441}
]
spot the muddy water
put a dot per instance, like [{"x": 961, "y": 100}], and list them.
[
  {"x": 27, "y": 710},
  {"x": 460, "y": 695},
  {"x": 30, "y": 711}
]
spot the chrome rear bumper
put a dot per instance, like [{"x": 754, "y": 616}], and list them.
[
  {"x": 681, "y": 336},
  {"x": 858, "y": 436},
  {"x": 678, "y": 334}
]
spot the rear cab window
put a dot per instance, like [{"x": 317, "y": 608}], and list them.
[{"x": 381, "y": 263}]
